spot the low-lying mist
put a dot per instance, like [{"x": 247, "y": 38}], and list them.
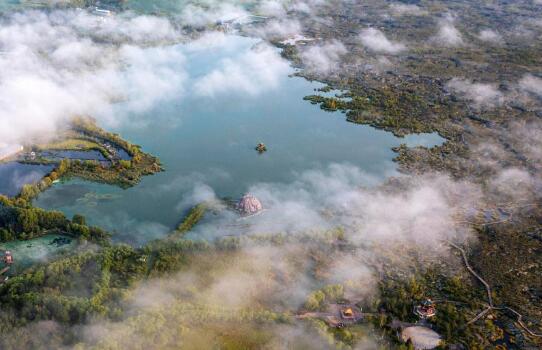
[{"x": 333, "y": 225}]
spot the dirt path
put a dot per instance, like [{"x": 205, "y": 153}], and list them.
[
  {"x": 489, "y": 296},
  {"x": 471, "y": 270}
]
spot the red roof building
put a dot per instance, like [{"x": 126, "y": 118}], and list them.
[{"x": 8, "y": 258}]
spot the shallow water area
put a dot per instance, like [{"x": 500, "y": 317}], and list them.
[
  {"x": 206, "y": 143},
  {"x": 14, "y": 175},
  {"x": 36, "y": 250},
  {"x": 10, "y": 5}
]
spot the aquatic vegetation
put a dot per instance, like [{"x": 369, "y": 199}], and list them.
[
  {"x": 190, "y": 220},
  {"x": 92, "y": 199}
]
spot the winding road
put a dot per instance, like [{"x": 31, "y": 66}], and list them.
[{"x": 489, "y": 296}]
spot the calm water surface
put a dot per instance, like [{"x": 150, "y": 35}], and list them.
[
  {"x": 36, "y": 250},
  {"x": 14, "y": 175},
  {"x": 204, "y": 140}
]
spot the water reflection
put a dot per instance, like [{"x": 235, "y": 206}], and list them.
[
  {"x": 206, "y": 144},
  {"x": 14, "y": 175}
]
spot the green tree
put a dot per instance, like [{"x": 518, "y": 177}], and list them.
[
  {"x": 315, "y": 300},
  {"x": 79, "y": 219},
  {"x": 28, "y": 220}
]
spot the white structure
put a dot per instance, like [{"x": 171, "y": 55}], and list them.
[
  {"x": 249, "y": 205},
  {"x": 295, "y": 39},
  {"x": 236, "y": 23},
  {"x": 102, "y": 12}
]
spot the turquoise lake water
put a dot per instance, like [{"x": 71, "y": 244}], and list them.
[
  {"x": 211, "y": 140},
  {"x": 36, "y": 250}
]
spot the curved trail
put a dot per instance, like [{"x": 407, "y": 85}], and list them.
[
  {"x": 489, "y": 296},
  {"x": 471, "y": 270}
]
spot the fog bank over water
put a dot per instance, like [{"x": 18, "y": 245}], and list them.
[
  {"x": 86, "y": 64},
  {"x": 200, "y": 107},
  {"x": 64, "y": 63},
  {"x": 336, "y": 209},
  {"x": 206, "y": 138}
]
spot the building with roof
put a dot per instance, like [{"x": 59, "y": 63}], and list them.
[
  {"x": 342, "y": 315},
  {"x": 7, "y": 258},
  {"x": 347, "y": 313},
  {"x": 426, "y": 309}
]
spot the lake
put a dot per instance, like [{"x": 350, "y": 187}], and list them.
[
  {"x": 14, "y": 175},
  {"x": 210, "y": 140}
]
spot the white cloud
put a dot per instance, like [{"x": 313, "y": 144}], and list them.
[
  {"x": 515, "y": 184},
  {"x": 335, "y": 197},
  {"x": 278, "y": 28},
  {"x": 58, "y": 65},
  {"x": 376, "y": 41},
  {"x": 250, "y": 72},
  {"x": 407, "y": 10},
  {"x": 271, "y": 8},
  {"x": 201, "y": 16},
  {"x": 121, "y": 28},
  {"x": 528, "y": 138},
  {"x": 481, "y": 94},
  {"x": 323, "y": 58},
  {"x": 305, "y": 6},
  {"x": 65, "y": 63},
  {"x": 448, "y": 34},
  {"x": 531, "y": 84},
  {"x": 490, "y": 36},
  {"x": 301, "y": 7}
]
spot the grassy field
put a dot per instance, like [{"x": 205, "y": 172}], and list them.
[{"x": 74, "y": 144}]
